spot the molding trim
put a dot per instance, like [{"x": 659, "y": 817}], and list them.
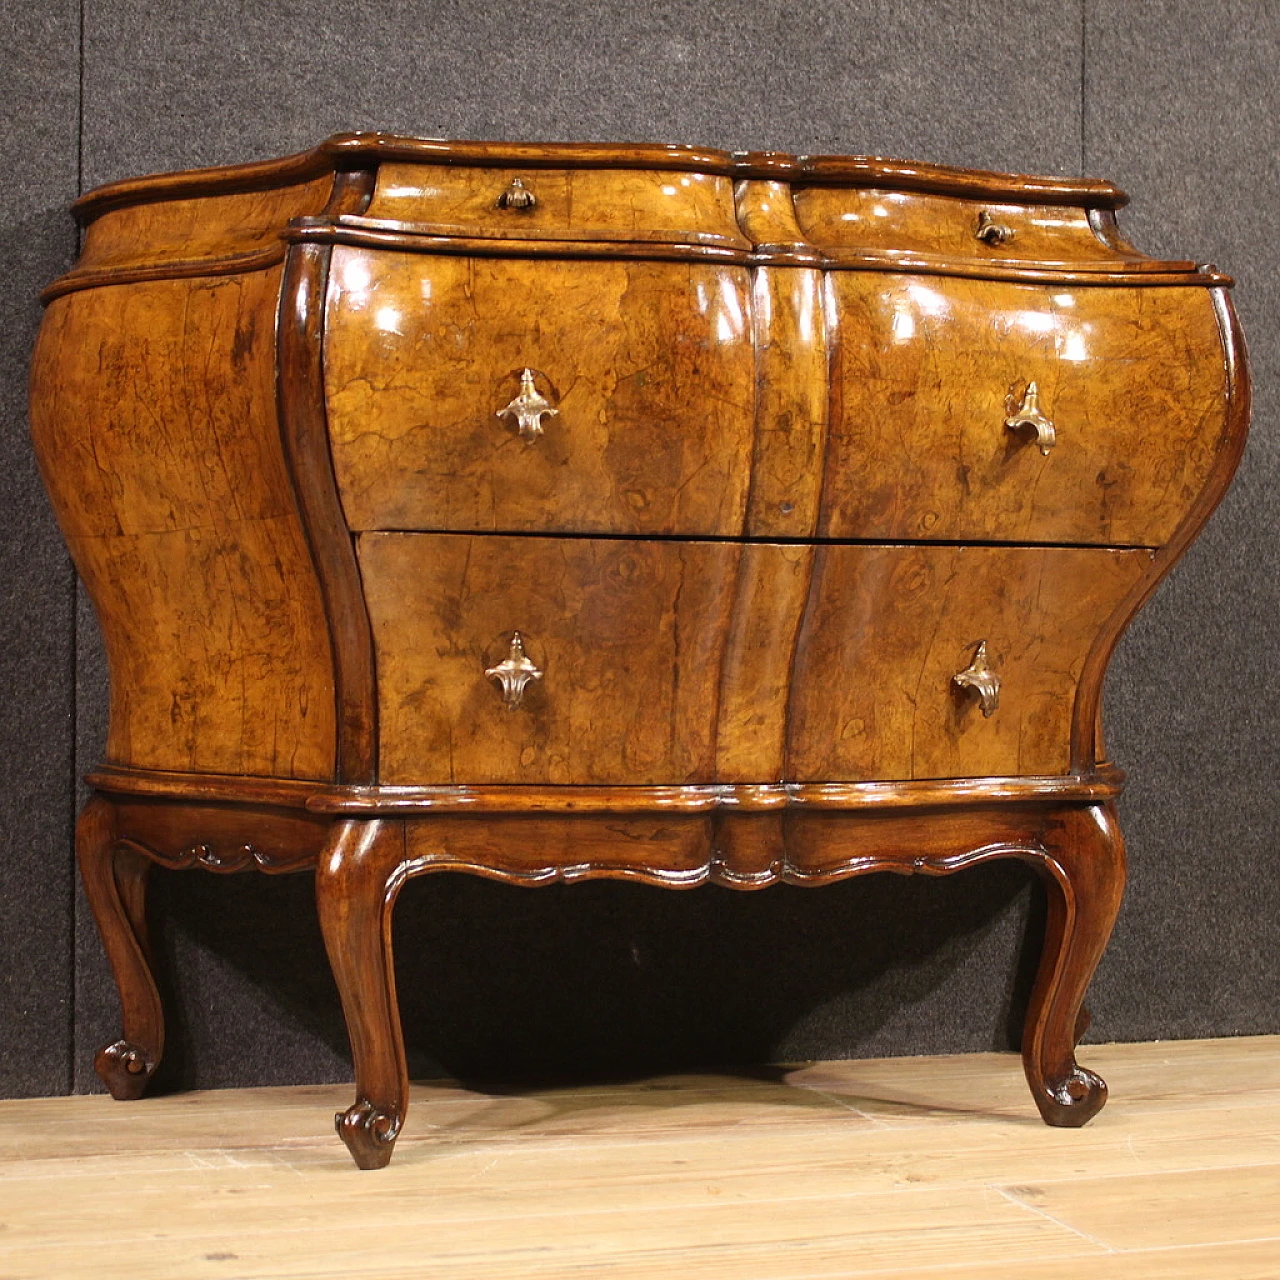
[
  {"x": 353, "y": 151},
  {"x": 356, "y": 800},
  {"x": 305, "y": 433}
]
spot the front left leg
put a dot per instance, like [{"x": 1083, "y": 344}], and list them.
[
  {"x": 114, "y": 874},
  {"x": 357, "y": 880},
  {"x": 1084, "y": 872}
]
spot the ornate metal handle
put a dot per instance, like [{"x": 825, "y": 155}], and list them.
[
  {"x": 977, "y": 675},
  {"x": 517, "y": 196},
  {"x": 528, "y": 408},
  {"x": 1028, "y": 415},
  {"x": 991, "y": 232},
  {"x": 514, "y": 673}
]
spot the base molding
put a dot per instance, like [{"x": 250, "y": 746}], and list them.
[{"x": 1105, "y": 782}]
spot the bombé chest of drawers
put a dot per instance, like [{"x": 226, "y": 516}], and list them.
[{"x": 551, "y": 512}]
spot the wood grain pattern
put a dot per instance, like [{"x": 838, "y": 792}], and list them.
[
  {"x": 772, "y": 586},
  {"x": 888, "y": 627},
  {"x": 1086, "y": 735},
  {"x": 928, "y": 371},
  {"x": 767, "y": 216},
  {"x": 629, "y": 636},
  {"x": 674, "y": 850},
  {"x": 153, "y": 418},
  {"x": 185, "y": 237},
  {"x": 593, "y": 203},
  {"x": 304, "y": 433},
  {"x": 422, "y": 352},
  {"x": 794, "y": 333}
]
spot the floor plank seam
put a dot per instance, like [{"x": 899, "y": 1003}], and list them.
[
  {"x": 845, "y": 1105},
  {"x": 1234, "y": 1166},
  {"x": 1066, "y": 1226}
]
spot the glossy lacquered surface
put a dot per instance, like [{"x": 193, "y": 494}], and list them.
[
  {"x": 928, "y": 370},
  {"x": 630, "y": 638},
  {"x": 573, "y": 511},
  {"x": 654, "y": 670},
  {"x": 575, "y": 203},
  {"x": 649, "y": 367},
  {"x": 153, "y": 413}
]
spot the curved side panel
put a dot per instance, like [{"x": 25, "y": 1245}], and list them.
[
  {"x": 1087, "y": 746},
  {"x": 154, "y": 423},
  {"x": 206, "y": 235}
]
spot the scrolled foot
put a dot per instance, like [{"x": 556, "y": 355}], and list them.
[
  {"x": 1074, "y": 1100},
  {"x": 126, "y": 1069},
  {"x": 370, "y": 1134}
]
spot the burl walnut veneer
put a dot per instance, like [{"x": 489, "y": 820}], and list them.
[{"x": 552, "y": 512}]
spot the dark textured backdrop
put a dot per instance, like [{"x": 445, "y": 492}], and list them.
[{"x": 1175, "y": 101}]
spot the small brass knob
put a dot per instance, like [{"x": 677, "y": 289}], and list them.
[
  {"x": 517, "y": 196},
  {"x": 1027, "y": 416},
  {"x": 528, "y": 408},
  {"x": 991, "y": 232},
  {"x": 979, "y": 677},
  {"x": 514, "y": 673}
]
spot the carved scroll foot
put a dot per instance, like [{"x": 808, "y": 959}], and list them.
[
  {"x": 1073, "y": 1100},
  {"x": 115, "y": 882},
  {"x": 126, "y": 1069},
  {"x": 357, "y": 880},
  {"x": 1085, "y": 875},
  {"x": 370, "y": 1134}
]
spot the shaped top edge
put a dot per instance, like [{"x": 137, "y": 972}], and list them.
[{"x": 353, "y": 151}]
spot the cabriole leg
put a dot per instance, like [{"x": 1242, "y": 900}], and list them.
[
  {"x": 115, "y": 882},
  {"x": 1085, "y": 875},
  {"x": 357, "y": 880}
]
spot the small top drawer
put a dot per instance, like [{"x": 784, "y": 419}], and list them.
[
  {"x": 560, "y": 204},
  {"x": 911, "y": 225}
]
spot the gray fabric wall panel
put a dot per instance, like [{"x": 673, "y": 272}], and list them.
[
  {"x": 38, "y": 102},
  {"x": 1181, "y": 103},
  {"x": 229, "y": 80}
]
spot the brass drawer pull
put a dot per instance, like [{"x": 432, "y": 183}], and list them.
[
  {"x": 528, "y": 408},
  {"x": 979, "y": 677},
  {"x": 517, "y": 196},
  {"x": 992, "y": 233},
  {"x": 1028, "y": 415},
  {"x": 514, "y": 673}
]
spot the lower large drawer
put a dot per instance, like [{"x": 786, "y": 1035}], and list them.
[
  {"x": 625, "y": 637},
  {"x": 507, "y": 659},
  {"x": 889, "y": 629}
]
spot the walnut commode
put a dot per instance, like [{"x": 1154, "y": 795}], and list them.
[{"x": 552, "y": 512}]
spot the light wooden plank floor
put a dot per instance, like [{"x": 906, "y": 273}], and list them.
[{"x": 928, "y": 1167}]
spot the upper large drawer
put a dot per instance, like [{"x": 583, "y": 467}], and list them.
[
  {"x": 934, "y": 435},
  {"x": 490, "y": 394}
]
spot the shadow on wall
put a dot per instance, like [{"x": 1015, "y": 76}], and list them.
[{"x": 601, "y": 979}]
